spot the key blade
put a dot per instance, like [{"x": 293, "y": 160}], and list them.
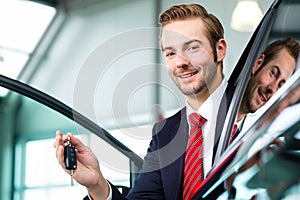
[{"x": 71, "y": 174}]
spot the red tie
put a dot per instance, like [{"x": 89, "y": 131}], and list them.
[
  {"x": 233, "y": 133},
  {"x": 193, "y": 165}
]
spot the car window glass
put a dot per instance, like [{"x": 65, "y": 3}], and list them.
[
  {"x": 37, "y": 171},
  {"x": 277, "y": 121}
]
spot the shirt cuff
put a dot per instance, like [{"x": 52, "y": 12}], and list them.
[{"x": 109, "y": 195}]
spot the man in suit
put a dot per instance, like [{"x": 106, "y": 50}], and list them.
[
  {"x": 270, "y": 71},
  {"x": 194, "y": 48}
]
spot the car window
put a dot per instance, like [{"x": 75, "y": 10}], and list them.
[
  {"x": 268, "y": 155},
  {"x": 37, "y": 170},
  {"x": 280, "y": 28},
  {"x": 255, "y": 158}
]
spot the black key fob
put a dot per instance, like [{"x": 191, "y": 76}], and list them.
[{"x": 70, "y": 156}]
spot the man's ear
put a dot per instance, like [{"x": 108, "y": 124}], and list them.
[
  {"x": 259, "y": 61},
  {"x": 221, "y": 50}
]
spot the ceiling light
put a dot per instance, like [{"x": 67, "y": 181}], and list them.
[{"x": 246, "y": 16}]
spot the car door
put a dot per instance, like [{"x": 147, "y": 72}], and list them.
[{"x": 278, "y": 23}]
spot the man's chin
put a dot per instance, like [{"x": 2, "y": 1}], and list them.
[
  {"x": 188, "y": 91},
  {"x": 255, "y": 108}
]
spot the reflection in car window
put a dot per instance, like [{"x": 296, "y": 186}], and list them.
[
  {"x": 268, "y": 155},
  {"x": 271, "y": 143}
]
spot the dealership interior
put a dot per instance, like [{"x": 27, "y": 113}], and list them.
[{"x": 82, "y": 54}]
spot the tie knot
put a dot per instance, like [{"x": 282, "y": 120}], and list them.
[
  {"x": 234, "y": 129},
  {"x": 196, "y": 120},
  {"x": 234, "y": 133}
]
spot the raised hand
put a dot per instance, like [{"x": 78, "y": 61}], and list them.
[{"x": 88, "y": 171}]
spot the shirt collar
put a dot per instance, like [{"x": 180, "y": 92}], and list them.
[{"x": 210, "y": 107}]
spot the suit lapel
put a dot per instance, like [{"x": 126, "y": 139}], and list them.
[
  {"x": 222, "y": 112},
  {"x": 172, "y": 164}
]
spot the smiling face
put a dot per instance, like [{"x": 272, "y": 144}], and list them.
[
  {"x": 189, "y": 58},
  {"x": 266, "y": 81}
]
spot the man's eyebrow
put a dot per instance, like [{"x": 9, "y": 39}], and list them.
[
  {"x": 191, "y": 41},
  {"x": 184, "y": 44},
  {"x": 166, "y": 48}
]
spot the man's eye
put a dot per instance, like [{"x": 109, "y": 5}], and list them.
[
  {"x": 280, "y": 84},
  {"x": 274, "y": 73},
  {"x": 192, "y": 48},
  {"x": 169, "y": 54}
]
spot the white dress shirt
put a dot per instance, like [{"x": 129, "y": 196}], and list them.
[{"x": 209, "y": 110}]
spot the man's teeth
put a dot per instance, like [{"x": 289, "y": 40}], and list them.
[
  {"x": 262, "y": 96},
  {"x": 187, "y": 75}
]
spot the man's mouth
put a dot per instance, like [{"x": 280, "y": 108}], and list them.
[
  {"x": 187, "y": 75},
  {"x": 262, "y": 97}
]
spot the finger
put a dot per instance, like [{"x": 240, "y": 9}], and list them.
[
  {"x": 58, "y": 141},
  {"x": 59, "y": 138},
  {"x": 76, "y": 142},
  {"x": 59, "y": 145},
  {"x": 60, "y": 155}
]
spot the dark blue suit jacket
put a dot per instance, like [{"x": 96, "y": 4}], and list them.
[{"x": 162, "y": 173}]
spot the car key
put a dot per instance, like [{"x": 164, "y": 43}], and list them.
[{"x": 70, "y": 159}]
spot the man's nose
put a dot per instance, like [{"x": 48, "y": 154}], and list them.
[
  {"x": 181, "y": 61},
  {"x": 272, "y": 88}
]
